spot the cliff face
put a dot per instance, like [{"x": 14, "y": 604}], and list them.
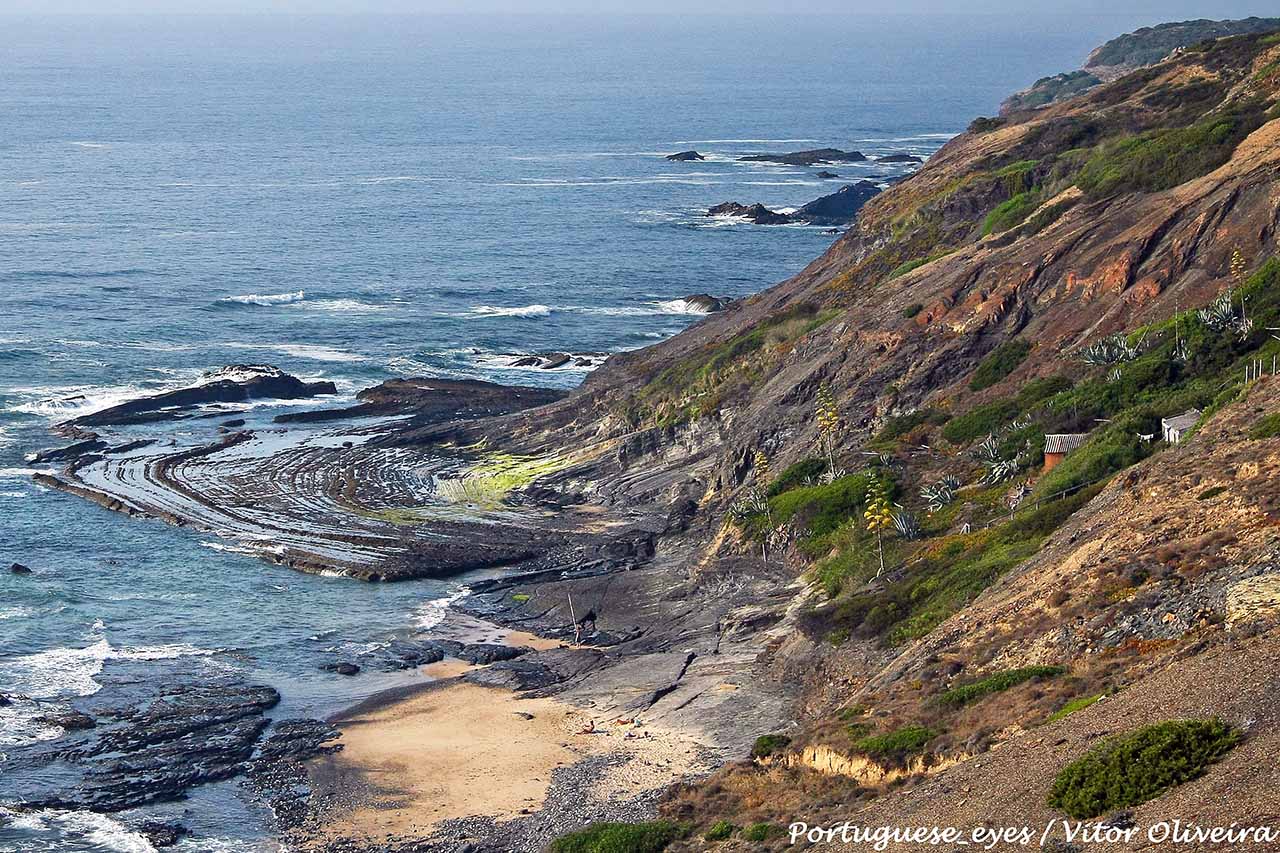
[{"x": 1088, "y": 268}]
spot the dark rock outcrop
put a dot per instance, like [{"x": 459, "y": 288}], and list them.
[
  {"x": 71, "y": 451},
  {"x": 229, "y": 385},
  {"x": 685, "y": 156},
  {"x": 900, "y": 158},
  {"x": 813, "y": 157},
  {"x": 826, "y": 176},
  {"x": 162, "y": 834},
  {"x": 433, "y": 400},
  {"x": 839, "y": 208},
  {"x": 19, "y": 569},
  {"x": 72, "y": 721},
  {"x": 756, "y": 213}
]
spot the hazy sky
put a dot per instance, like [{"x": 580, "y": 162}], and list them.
[{"x": 1158, "y": 9}]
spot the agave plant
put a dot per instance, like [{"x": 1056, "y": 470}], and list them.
[
  {"x": 751, "y": 505},
  {"x": 989, "y": 450},
  {"x": 907, "y": 525},
  {"x": 1220, "y": 314},
  {"x": 1114, "y": 349},
  {"x": 939, "y": 494},
  {"x": 999, "y": 471}
]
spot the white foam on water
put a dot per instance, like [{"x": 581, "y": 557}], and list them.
[
  {"x": 68, "y": 672},
  {"x": 63, "y": 402},
  {"x": 15, "y": 612},
  {"x": 432, "y": 613},
  {"x": 20, "y": 725},
  {"x": 680, "y": 306},
  {"x": 313, "y": 352},
  {"x": 22, "y": 473},
  {"x": 266, "y": 298},
  {"x": 516, "y": 311},
  {"x": 106, "y": 833},
  {"x": 86, "y": 144},
  {"x": 348, "y": 306}
]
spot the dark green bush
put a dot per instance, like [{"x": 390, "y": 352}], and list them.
[
  {"x": 997, "y": 683},
  {"x": 1131, "y": 769},
  {"x": 803, "y": 473},
  {"x": 896, "y": 746},
  {"x": 720, "y": 831},
  {"x": 985, "y": 124},
  {"x": 899, "y": 426},
  {"x": 823, "y": 508},
  {"x": 1267, "y": 426},
  {"x": 651, "y": 837},
  {"x": 1209, "y": 494},
  {"x": 912, "y": 310},
  {"x": 767, "y": 745},
  {"x": 999, "y": 363}
]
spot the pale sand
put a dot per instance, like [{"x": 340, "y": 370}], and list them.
[{"x": 459, "y": 750}]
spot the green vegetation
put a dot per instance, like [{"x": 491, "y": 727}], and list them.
[
  {"x": 803, "y": 473},
  {"x": 497, "y": 475},
  {"x": 999, "y": 363},
  {"x": 1267, "y": 426},
  {"x": 949, "y": 573},
  {"x": 1161, "y": 159},
  {"x": 720, "y": 831},
  {"x": 1074, "y": 705},
  {"x": 1131, "y": 769},
  {"x": 822, "y": 509},
  {"x": 520, "y": 597},
  {"x": 912, "y": 310},
  {"x": 985, "y": 124},
  {"x": 997, "y": 683},
  {"x": 903, "y": 269},
  {"x": 1209, "y": 494},
  {"x": 1012, "y": 212},
  {"x": 761, "y": 832},
  {"x": 980, "y": 421},
  {"x": 896, "y": 746},
  {"x": 896, "y": 427},
  {"x": 767, "y": 745},
  {"x": 651, "y": 837}
]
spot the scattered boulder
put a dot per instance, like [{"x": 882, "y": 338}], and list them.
[
  {"x": 685, "y": 156},
  {"x": 556, "y": 359},
  {"x": 486, "y": 653},
  {"x": 756, "y": 213},
  {"x": 825, "y": 175},
  {"x": 899, "y": 158},
  {"x": 72, "y": 721},
  {"x": 343, "y": 668},
  {"x": 71, "y": 451},
  {"x": 233, "y": 423},
  {"x": 162, "y": 834},
  {"x": 19, "y": 569},
  {"x": 814, "y": 157}
]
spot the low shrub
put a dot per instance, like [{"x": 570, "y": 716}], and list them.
[
  {"x": 1211, "y": 493},
  {"x": 803, "y": 473},
  {"x": 1075, "y": 705},
  {"x": 997, "y": 683},
  {"x": 761, "y": 832},
  {"x": 767, "y": 745},
  {"x": 1131, "y": 769},
  {"x": 650, "y": 837},
  {"x": 1267, "y": 426},
  {"x": 985, "y": 124},
  {"x": 720, "y": 831},
  {"x": 912, "y": 310},
  {"x": 999, "y": 363},
  {"x": 896, "y": 427},
  {"x": 1010, "y": 213},
  {"x": 978, "y": 422},
  {"x": 898, "y": 745}
]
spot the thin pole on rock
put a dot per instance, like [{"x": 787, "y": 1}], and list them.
[{"x": 577, "y": 635}]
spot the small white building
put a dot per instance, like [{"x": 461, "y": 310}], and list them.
[{"x": 1176, "y": 427}]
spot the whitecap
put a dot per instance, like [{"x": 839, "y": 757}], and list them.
[
  {"x": 85, "y": 144},
  {"x": 55, "y": 673},
  {"x": 266, "y": 298},
  {"x": 15, "y": 612},
  {"x": 680, "y": 306},
  {"x": 519, "y": 311},
  {"x": 344, "y": 305},
  {"x": 104, "y": 832},
  {"x": 314, "y": 352}
]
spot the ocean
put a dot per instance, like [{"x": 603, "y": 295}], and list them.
[{"x": 363, "y": 198}]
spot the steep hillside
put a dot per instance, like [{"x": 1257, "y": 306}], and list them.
[{"x": 876, "y": 428}]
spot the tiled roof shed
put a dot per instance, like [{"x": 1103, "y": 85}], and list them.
[{"x": 1064, "y": 442}]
